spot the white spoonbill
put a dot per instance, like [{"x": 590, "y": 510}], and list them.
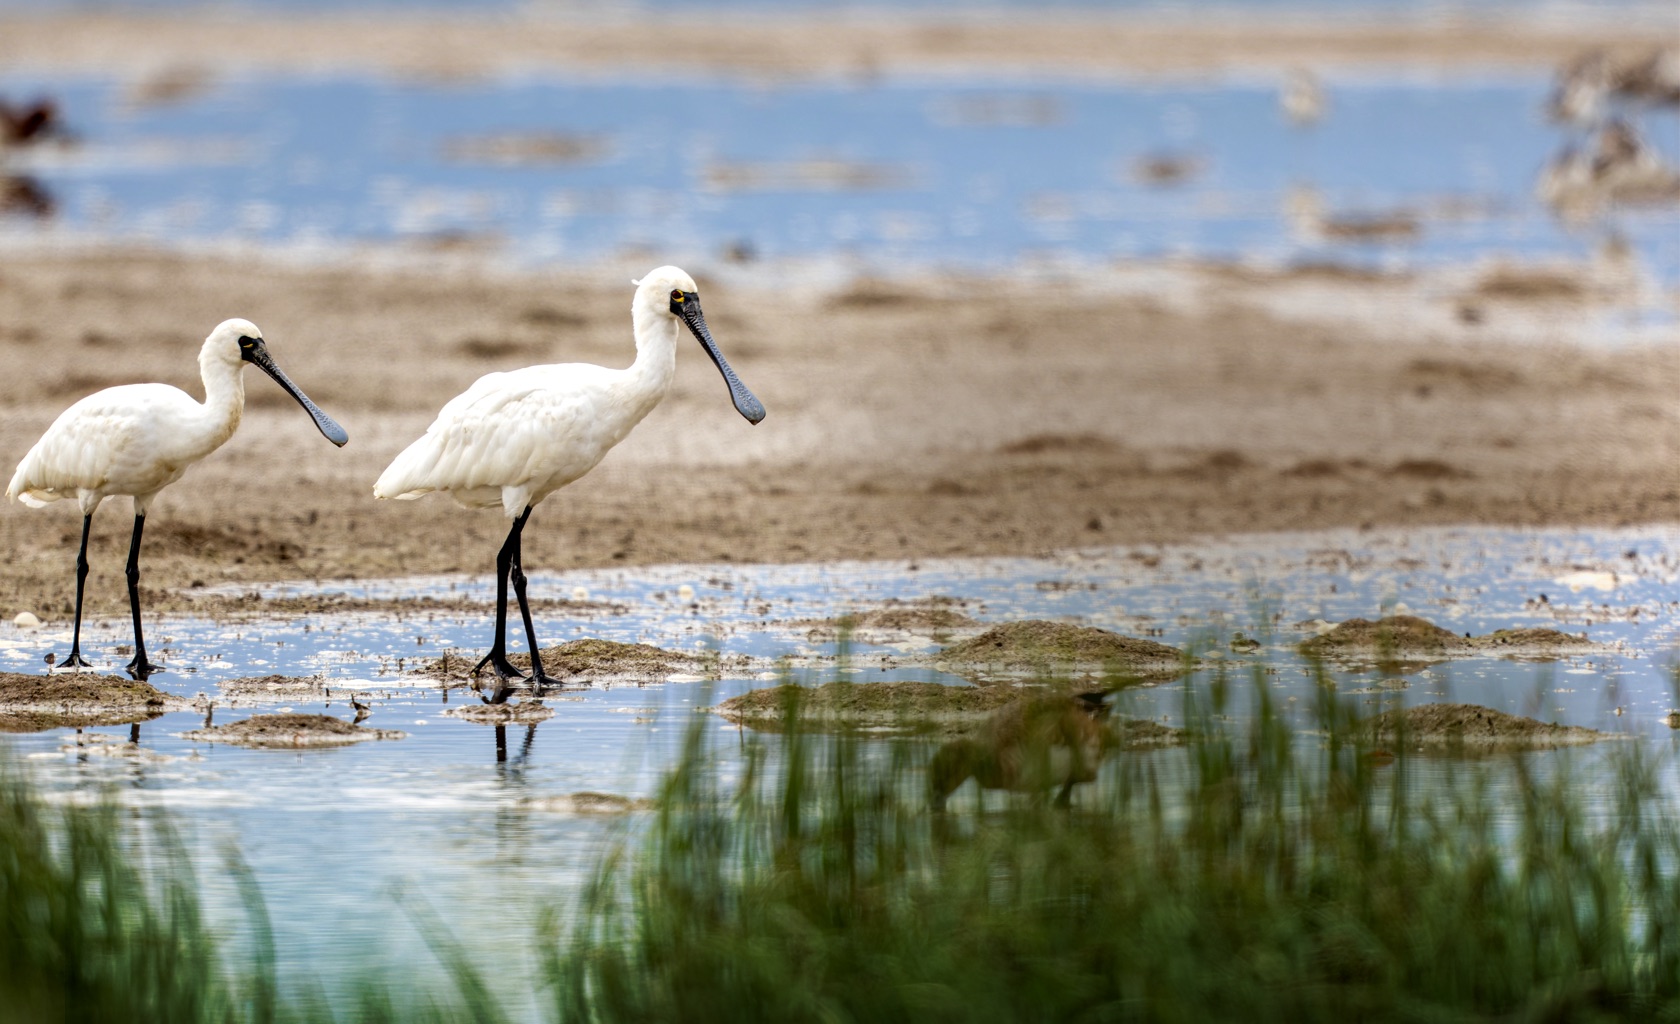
[
  {"x": 514, "y": 438},
  {"x": 138, "y": 439}
]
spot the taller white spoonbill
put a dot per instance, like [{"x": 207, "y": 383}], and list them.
[
  {"x": 136, "y": 440},
  {"x": 514, "y": 438}
]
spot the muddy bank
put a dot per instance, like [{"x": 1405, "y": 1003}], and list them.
[
  {"x": 1408, "y": 637},
  {"x": 30, "y": 703},
  {"x": 1001, "y": 43},
  {"x": 1472, "y": 727},
  {"x": 1175, "y": 416},
  {"x": 289, "y": 732},
  {"x": 1062, "y": 651}
]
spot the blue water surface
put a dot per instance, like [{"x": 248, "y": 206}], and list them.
[
  {"x": 887, "y": 172},
  {"x": 467, "y": 822}
]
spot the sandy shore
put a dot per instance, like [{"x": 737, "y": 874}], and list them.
[
  {"x": 948, "y": 418},
  {"x": 1003, "y": 45}
]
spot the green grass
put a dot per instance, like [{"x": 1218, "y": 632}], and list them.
[
  {"x": 96, "y": 927},
  {"x": 1261, "y": 875},
  {"x": 1258, "y": 874}
]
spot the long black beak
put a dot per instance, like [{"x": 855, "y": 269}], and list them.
[
  {"x": 745, "y": 403},
  {"x": 258, "y": 354}
]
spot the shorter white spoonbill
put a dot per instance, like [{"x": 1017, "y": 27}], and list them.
[
  {"x": 514, "y": 438},
  {"x": 138, "y": 439}
]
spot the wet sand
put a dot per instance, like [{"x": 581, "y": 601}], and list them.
[
  {"x": 940, "y": 417},
  {"x": 769, "y": 45}
]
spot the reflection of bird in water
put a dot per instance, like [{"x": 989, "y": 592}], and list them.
[
  {"x": 1302, "y": 98},
  {"x": 360, "y": 708},
  {"x": 514, "y": 438},
  {"x": 136, "y": 440},
  {"x": 524, "y": 748},
  {"x": 28, "y": 124},
  {"x": 20, "y": 193},
  {"x": 1028, "y": 746},
  {"x": 1620, "y": 168}
]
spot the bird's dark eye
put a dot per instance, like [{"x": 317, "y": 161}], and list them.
[
  {"x": 247, "y": 341},
  {"x": 676, "y": 295}
]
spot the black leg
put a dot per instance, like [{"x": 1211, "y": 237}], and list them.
[
  {"x": 139, "y": 668},
  {"x": 497, "y": 658},
  {"x": 516, "y": 573},
  {"x": 75, "y": 660}
]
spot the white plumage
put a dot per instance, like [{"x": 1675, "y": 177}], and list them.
[
  {"x": 137, "y": 439},
  {"x": 514, "y": 438}
]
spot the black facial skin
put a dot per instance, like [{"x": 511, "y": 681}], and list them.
[
  {"x": 252, "y": 350},
  {"x": 686, "y": 305}
]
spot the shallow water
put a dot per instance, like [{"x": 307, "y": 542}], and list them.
[
  {"x": 332, "y": 834},
  {"x": 889, "y": 173}
]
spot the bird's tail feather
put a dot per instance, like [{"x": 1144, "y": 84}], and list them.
[{"x": 403, "y": 479}]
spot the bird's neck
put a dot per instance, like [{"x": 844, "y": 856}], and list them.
[
  {"x": 224, "y": 396},
  {"x": 651, "y": 374}
]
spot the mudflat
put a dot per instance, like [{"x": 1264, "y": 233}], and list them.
[{"x": 935, "y": 416}]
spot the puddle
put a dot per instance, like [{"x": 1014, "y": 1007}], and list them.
[
  {"x": 894, "y": 172},
  {"x": 328, "y": 831}
]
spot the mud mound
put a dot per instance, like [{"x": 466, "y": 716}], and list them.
[
  {"x": 1538, "y": 643},
  {"x": 891, "y": 707},
  {"x": 1394, "y": 634},
  {"x": 273, "y": 686},
  {"x": 526, "y": 712},
  {"x": 290, "y": 732},
  {"x": 1036, "y": 645},
  {"x": 1474, "y": 727},
  {"x": 1412, "y": 638},
  {"x": 583, "y": 660},
  {"x": 73, "y": 700}
]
